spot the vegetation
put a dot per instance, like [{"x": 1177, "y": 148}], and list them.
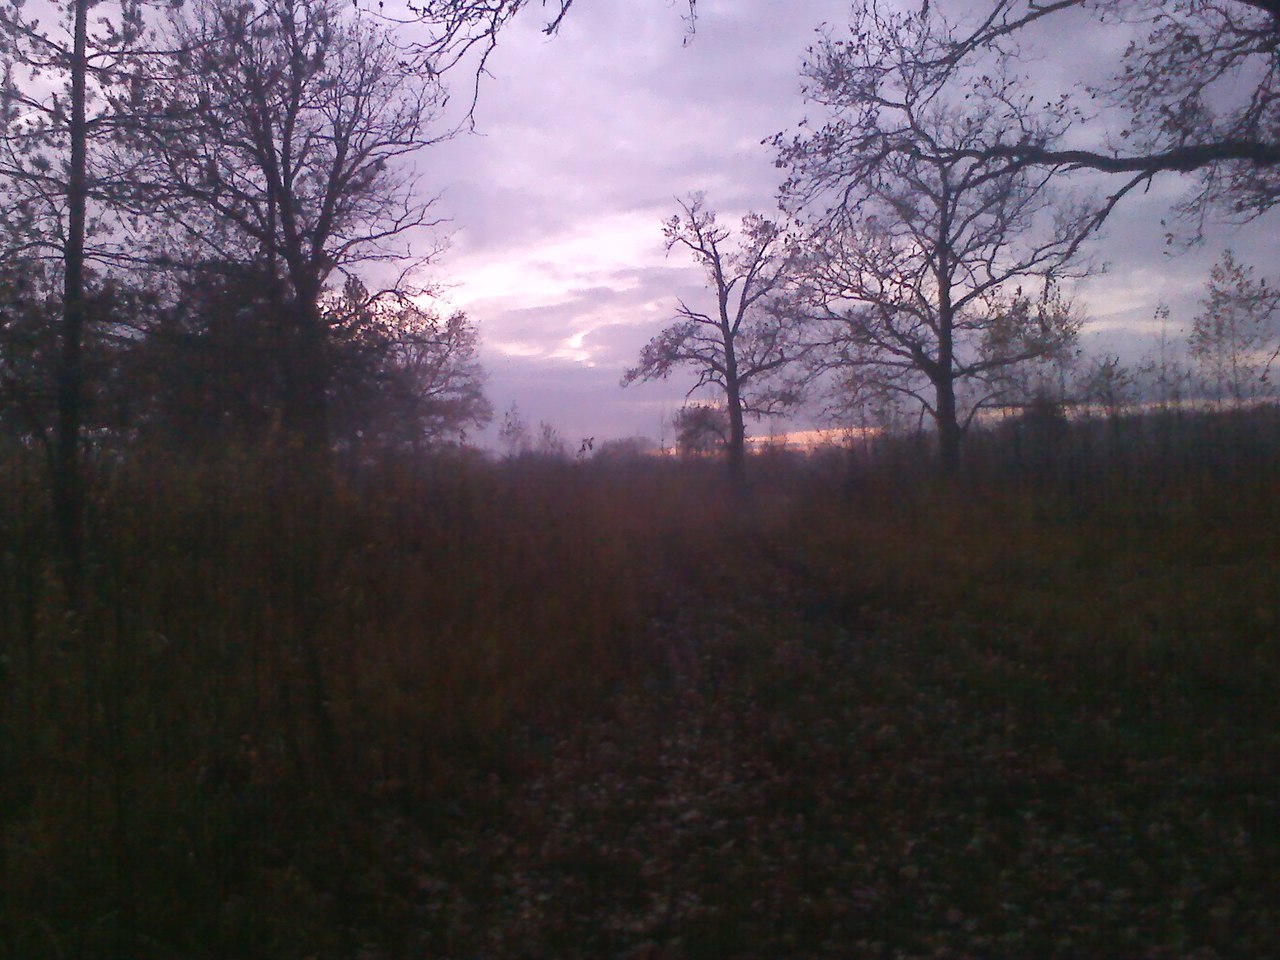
[
  {"x": 447, "y": 707},
  {"x": 287, "y": 670}
]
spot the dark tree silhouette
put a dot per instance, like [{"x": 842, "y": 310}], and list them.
[
  {"x": 115, "y": 312},
  {"x": 28, "y": 351},
  {"x": 286, "y": 137},
  {"x": 404, "y": 376},
  {"x": 700, "y": 429},
  {"x": 745, "y": 343},
  {"x": 1196, "y": 91},
  {"x": 47, "y": 181},
  {"x": 927, "y": 269},
  {"x": 205, "y": 371}
]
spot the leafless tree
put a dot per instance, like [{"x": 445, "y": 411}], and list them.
[
  {"x": 1196, "y": 91},
  {"x": 1163, "y": 376},
  {"x": 287, "y": 133},
  {"x": 745, "y": 343},
  {"x": 514, "y": 433},
  {"x": 1233, "y": 340},
  {"x": 928, "y": 269}
]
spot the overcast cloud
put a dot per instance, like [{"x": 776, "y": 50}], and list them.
[{"x": 585, "y": 140}]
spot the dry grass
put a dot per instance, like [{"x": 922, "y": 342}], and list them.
[{"x": 543, "y": 710}]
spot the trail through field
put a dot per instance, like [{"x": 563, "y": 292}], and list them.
[{"x": 796, "y": 786}]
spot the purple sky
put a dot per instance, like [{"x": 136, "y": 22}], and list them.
[{"x": 583, "y": 142}]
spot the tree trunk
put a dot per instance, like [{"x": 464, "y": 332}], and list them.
[
  {"x": 306, "y": 406},
  {"x": 310, "y": 404},
  {"x": 68, "y": 492},
  {"x": 943, "y": 374},
  {"x": 948, "y": 426},
  {"x": 737, "y": 440}
]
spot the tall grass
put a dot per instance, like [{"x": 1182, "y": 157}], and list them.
[
  {"x": 188, "y": 765},
  {"x": 281, "y": 694}
]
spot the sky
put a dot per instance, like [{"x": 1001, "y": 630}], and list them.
[{"x": 582, "y": 144}]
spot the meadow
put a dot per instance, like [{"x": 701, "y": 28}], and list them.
[{"x": 444, "y": 707}]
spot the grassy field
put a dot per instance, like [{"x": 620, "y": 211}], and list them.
[{"x": 545, "y": 710}]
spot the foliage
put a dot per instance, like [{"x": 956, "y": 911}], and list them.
[
  {"x": 422, "y": 704},
  {"x": 1110, "y": 384},
  {"x": 700, "y": 428},
  {"x": 284, "y": 145},
  {"x": 624, "y": 450},
  {"x": 550, "y": 444},
  {"x": 402, "y": 373},
  {"x": 51, "y": 152},
  {"x": 204, "y": 370},
  {"x": 268, "y": 134},
  {"x": 28, "y": 319},
  {"x": 43, "y": 120},
  {"x": 30, "y": 310},
  {"x": 198, "y": 367}
]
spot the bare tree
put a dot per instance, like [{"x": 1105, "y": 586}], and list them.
[
  {"x": 927, "y": 272},
  {"x": 514, "y": 433},
  {"x": 1233, "y": 339},
  {"x": 458, "y": 30},
  {"x": 745, "y": 344},
  {"x": 289, "y": 136},
  {"x": 1196, "y": 91},
  {"x": 1162, "y": 375}
]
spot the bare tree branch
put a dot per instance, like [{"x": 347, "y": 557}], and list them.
[
  {"x": 749, "y": 341},
  {"x": 919, "y": 241}
]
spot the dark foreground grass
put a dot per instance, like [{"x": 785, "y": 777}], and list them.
[{"x": 534, "y": 710}]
